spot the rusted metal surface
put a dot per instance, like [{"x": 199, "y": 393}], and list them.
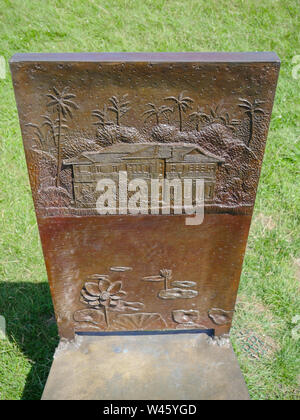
[{"x": 196, "y": 115}]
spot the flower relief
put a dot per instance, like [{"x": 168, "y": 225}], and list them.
[
  {"x": 103, "y": 295},
  {"x": 180, "y": 291}
]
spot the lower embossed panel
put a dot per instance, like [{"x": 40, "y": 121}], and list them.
[{"x": 130, "y": 273}]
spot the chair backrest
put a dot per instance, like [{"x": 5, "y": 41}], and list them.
[{"x": 144, "y": 170}]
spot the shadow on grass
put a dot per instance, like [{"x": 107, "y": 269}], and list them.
[{"x": 28, "y": 310}]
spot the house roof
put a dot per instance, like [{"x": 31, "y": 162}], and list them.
[{"x": 172, "y": 152}]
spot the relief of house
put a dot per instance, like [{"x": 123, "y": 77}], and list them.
[{"x": 144, "y": 161}]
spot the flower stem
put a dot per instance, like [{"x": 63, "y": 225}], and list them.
[{"x": 106, "y": 316}]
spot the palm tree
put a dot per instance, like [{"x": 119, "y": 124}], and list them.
[
  {"x": 40, "y": 135},
  {"x": 228, "y": 122},
  {"x": 60, "y": 102},
  {"x": 214, "y": 116},
  {"x": 119, "y": 106},
  {"x": 198, "y": 116},
  {"x": 52, "y": 127},
  {"x": 182, "y": 103},
  {"x": 156, "y": 112},
  {"x": 251, "y": 110},
  {"x": 102, "y": 117}
]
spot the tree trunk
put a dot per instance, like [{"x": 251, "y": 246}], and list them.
[
  {"x": 251, "y": 128},
  {"x": 180, "y": 118},
  {"x": 59, "y": 150}
]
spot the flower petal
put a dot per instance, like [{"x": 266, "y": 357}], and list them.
[
  {"x": 92, "y": 288},
  {"x": 91, "y": 303},
  {"x": 88, "y": 297},
  {"x": 115, "y": 287},
  {"x": 103, "y": 285}
]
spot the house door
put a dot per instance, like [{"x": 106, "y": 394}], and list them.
[{"x": 161, "y": 168}]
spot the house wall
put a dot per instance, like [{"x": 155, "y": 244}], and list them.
[{"x": 86, "y": 176}]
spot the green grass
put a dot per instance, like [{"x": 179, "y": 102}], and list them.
[{"x": 269, "y": 291}]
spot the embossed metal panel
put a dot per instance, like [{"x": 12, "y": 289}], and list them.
[{"x": 175, "y": 116}]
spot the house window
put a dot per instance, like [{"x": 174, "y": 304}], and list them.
[
  {"x": 84, "y": 168},
  {"x": 209, "y": 190}
]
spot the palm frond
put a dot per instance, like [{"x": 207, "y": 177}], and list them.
[
  {"x": 48, "y": 123},
  {"x": 149, "y": 111},
  {"x": 186, "y": 105},
  {"x": 245, "y": 106},
  {"x": 52, "y": 103},
  {"x": 98, "y": 114},
  {"x": 69, "y": 96},
  {"x": 66, "y": 110},
  {"x": 124, "y": 104},
  {"x": 246, "y": 101},
  {"x": 32, "y": 125},
  {"x": 55, "y": 98},
  {"x": 187, "y": 99},
  {"x": 165, "y": 108},
  {"x": 114, "y": 100},
  {"x": 171, "y": 98},
  {"x": 71, "y": 104},
  {"x": 56, "y": 91},
  {"x": 149, "y": 116},
  {"x": 152, "y": 105},
  {"x": 259, "y": 110},
  {"x": 37, "y": 132}
]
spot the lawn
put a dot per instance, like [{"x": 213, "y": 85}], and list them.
[{"x": 264, "y": 333}]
